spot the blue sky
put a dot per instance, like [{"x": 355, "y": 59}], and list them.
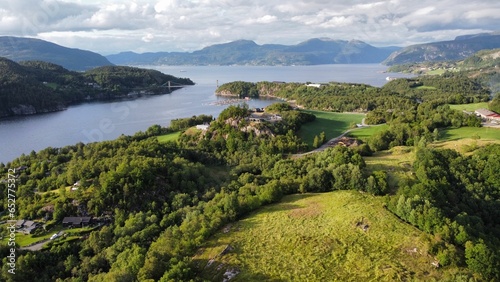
[{"x": 113, "y": 26}]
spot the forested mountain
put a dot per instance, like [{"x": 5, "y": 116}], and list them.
[
  {"x": 458, "y": 49},
  {"x": 31, "y": 49},
  {"x": 32, "y": 87},
  {"x": 245, "y": 52}
]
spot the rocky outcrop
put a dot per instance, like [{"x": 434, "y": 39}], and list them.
[
  {"x": 23, "y": 110},
  {"x": 258, "y": 131},
  {"x": 226, "y": 93}
]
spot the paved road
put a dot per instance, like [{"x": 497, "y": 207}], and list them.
[{"x": 38, "y": 246}]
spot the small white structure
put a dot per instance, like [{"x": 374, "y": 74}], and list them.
[
  {"x": 317, "y": 85},
  {"x": 203, "y": 127}
]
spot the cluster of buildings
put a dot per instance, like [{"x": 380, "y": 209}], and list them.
[{"x": 27, "y": 226}]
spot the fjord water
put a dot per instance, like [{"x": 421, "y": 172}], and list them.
[{"x": 98, "y": 121}]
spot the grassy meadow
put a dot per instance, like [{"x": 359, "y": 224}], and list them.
[
  {"x": 424, "y": 87},
  {"x": 470, "y": 107},
  {"x": 467, "y": 139},
  {"x": 169, "y": 137},
  {"x": 335, "y": 236},
  {"x": 436, "y": 72},
  {"x": 484, "y": 133},
  {"x": 397, "y": 162},
  {"x": 333, "y": 124},
  {"x": 364, "y": 133}
]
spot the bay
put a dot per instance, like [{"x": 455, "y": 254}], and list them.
[{"x": 98, "y": 121}]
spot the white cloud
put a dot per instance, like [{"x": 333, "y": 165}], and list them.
[
  {"x": 179, "y": 25},
  {"x": 148, "y": 37}
]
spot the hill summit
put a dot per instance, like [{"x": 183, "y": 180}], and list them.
[
  {"x": 458, "y": 49},
  {"x": 314, "y": 51},
  {"x": 31, "y": 49}
]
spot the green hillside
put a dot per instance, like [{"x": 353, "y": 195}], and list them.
[
  {"x": 458, "y": 49},
  {"x": 342, "y": 236},
  {"x": 31, "y": 87},
  {"x": 28, "y": 49}
]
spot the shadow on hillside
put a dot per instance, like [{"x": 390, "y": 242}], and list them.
[
  {"x": 286, "y": 203},
  {"x": 218, "y": 270},
  {"x": 444, "y": 136}
]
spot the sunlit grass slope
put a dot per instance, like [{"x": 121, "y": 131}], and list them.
[{"x": 336, "y": 236}]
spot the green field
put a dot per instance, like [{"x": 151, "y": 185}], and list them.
[
  {"x": 483, "y": 133},
  {"x": 26, "y": 239},
  {"x": 333, "y": 124},
  {"x": 470, "y": 107},
  {"x": 336, "y": 236},
  {"x": 364, "y": 133},
  {"x": 424, "y": 87},
  {"x": 436, "y": 72},
  {"x": 169, "y": 137},
  {"x": 397, "y": 162}
]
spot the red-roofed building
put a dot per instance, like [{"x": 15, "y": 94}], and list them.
[{"x": 488, "y": 115}]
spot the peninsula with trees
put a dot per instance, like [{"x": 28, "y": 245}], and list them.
[{"x": 32, "y": 87}]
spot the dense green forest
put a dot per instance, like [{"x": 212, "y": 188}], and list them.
[
  {"x": 35, "y": 87},
  {"x": 160, "y": 202}
]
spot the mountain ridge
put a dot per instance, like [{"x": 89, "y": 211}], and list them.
[
  {"x": 28, "y": 49},
  {"x": 458, "y": 49},
  {"x": 246, "y": 52}
]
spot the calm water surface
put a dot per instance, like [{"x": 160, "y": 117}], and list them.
[{"x": 98, "y": 121}]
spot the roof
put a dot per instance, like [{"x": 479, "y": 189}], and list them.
[
  {"x": 29, "y": 223},
  {"x": 484, "y": 112},
  {"x": 77, "y": 219},
  {"x": 202, "y": 126},
  {"x": 29, "y": 229}
]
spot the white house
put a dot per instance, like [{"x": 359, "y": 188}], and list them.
[{"x": 203, "y": 127}]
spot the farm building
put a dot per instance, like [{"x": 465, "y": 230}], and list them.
[{"x": 487, "y": 115}]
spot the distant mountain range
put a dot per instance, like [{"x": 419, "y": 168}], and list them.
[
  {"x": 458, "y": 49},
  {"x": 29, "y": 49},
  {"x": 245, "y": 52}
]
